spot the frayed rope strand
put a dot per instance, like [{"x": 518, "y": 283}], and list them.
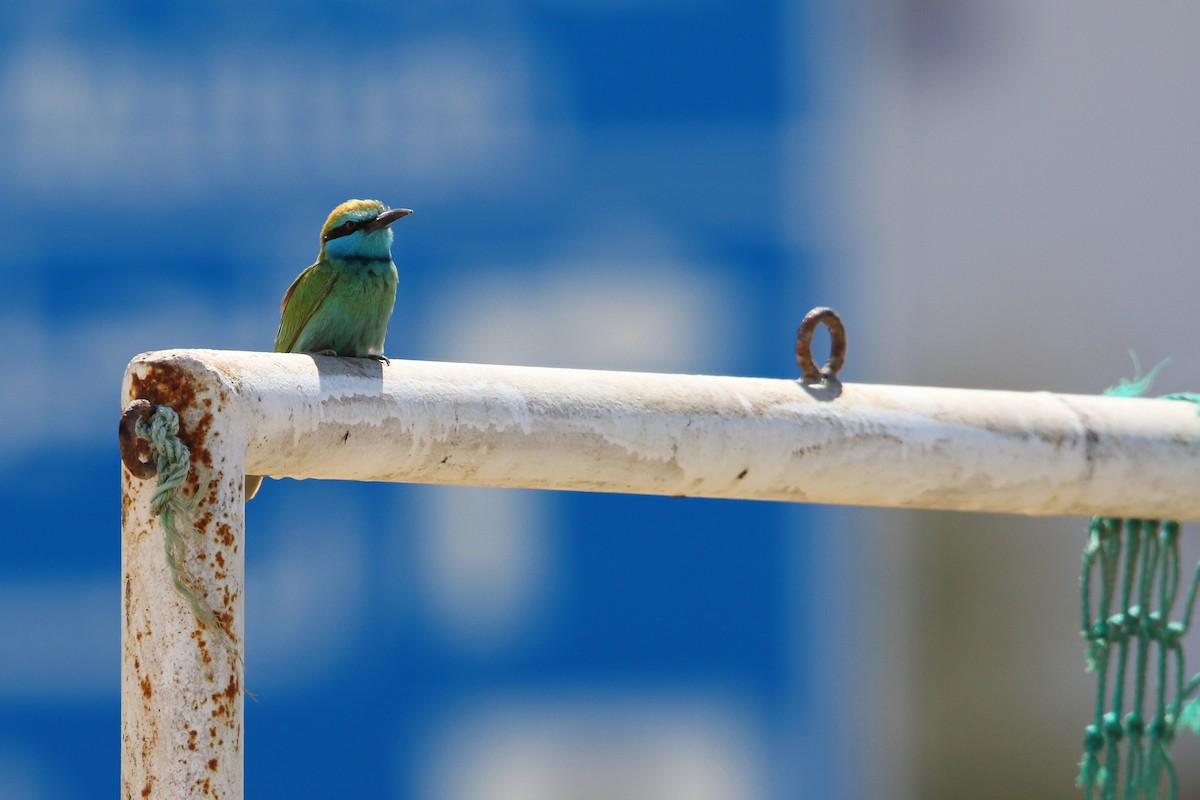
[
  {"x": 172, "y": 461},
  {"x": 1139, "y": 384}
]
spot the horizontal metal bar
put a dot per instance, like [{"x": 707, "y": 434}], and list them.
[{"x": 1038, "y": 453}]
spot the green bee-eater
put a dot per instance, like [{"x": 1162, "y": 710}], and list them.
[{"x": 341, "y": 304}]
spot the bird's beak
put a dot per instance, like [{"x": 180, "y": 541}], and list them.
[{"x": 388, "y": 217}]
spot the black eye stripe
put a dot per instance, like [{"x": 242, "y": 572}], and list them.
[{"x": 346, "y": 228}]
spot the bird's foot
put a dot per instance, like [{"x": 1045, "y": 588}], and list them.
[
  {"x": 325, "y": 352},
  {"x": 380, "y": 357}
]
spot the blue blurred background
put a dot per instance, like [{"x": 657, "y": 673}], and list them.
[
  {"x": 995, "y": 194},
  {"x": 595, "y": 185}
]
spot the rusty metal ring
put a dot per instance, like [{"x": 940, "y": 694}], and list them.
[
  {"x": 809, "y": 371},
  {"x": 135, "y": 453}
]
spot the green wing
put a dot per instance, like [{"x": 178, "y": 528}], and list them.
[{"x": 300, "y": 302}]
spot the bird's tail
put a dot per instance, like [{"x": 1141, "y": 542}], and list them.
[{"x": 252, "y": 484}]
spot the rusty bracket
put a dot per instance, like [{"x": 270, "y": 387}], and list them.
[
  {"x": 135, "y": 452},
  {"x": 809, "y": 371}
]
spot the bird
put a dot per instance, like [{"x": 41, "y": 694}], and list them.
[{"x": 340, "y": 306}]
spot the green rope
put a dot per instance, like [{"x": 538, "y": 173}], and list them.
[
  {"x": 1134, "y": 565},
  {"x": 172, "y": 461}
]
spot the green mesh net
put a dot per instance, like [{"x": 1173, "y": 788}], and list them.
[{"x": 1130, "y": 584}]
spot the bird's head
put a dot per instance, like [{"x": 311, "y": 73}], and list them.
[{"x": 360, "y": 228}]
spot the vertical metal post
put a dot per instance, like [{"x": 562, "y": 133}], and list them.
[{"x": 181, "y": 684}]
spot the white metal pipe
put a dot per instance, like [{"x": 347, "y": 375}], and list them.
[
  {"x": 703, "y": 436},
  {"x": 181, "y": 685},
  {"x": 751, "y": 438}
]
